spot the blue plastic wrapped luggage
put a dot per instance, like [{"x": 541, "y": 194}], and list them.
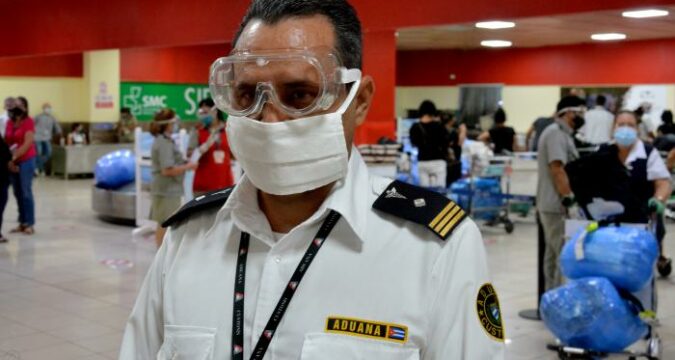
[
  {"x": 483, "y": 193},
  {"x": 588, "y": 313},
  {"x": 115, "y": 169},
  {"x": 624, "y": 255}
]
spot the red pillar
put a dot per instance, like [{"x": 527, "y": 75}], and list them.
[{"x": 379, "y": 62}]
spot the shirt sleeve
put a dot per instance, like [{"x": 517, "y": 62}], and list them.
[
  {"x": 144, "y": 332},
  {"x": 656, "y": 168},
  {"x": 193, "y": 142},
  {"x": 166, "y": 157},
  {"x": 555, "y": 146},
  {"x": 458, "y": 329}
]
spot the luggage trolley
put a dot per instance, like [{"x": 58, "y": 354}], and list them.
[
  {"x": 487, "y": 197},
  {"x": 645, "y": 302}
]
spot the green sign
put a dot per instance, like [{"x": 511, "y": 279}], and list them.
[{"x": 144, "y": 99}]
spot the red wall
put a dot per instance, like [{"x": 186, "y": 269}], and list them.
[
  {"x": 187, "y": 64},
  {"x": 68, "y": 26},
  {"x": 51, "y": 66},
  {"x": 608, "y": 63}
]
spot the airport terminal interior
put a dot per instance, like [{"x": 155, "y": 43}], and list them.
[{"x": 525, "y": 93}]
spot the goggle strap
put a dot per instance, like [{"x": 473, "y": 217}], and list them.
[
  {"x": 351, "y": 95},
  {"x": 349, "y": 75},
  {"x": 575, "y": 109}
]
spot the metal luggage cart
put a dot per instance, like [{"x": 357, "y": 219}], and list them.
[
  {"x": 647, "y": 348},
  {"x": 487, "y": 197}
]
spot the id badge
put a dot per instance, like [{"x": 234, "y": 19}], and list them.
[{"x": 219, "y": 156}]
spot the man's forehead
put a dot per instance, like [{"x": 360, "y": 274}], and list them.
[{"x": 290, "y": 33}]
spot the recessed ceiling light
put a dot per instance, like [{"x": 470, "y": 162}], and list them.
[
  {"x": 645, "y": 13},
  {"x": 493, "y": 25},
  {"x": 608, "y": 37},
  {"x": 496, "y": 43}
]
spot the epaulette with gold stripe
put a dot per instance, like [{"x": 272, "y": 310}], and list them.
[{"x": 431, "y": 209}]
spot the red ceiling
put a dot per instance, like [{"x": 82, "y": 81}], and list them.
[{"x": 76, "y": 25}]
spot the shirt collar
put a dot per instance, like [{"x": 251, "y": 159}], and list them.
[
  {"x": 638, "y": 151},
  {"x": 564, "y": 126},
  {"x": 348, "y": 197}
]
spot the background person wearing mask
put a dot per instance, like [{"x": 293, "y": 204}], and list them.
[
  {"x": 649, "y": 177},
  {"x": 502, "y": 137},
  {"x": 214, "y": 171},
  {"x": 20, "y": 137},
  {"x": 554, "y": 195},
  {"x": 168, "y": 170},
  {"x": 46, "y": 127},
  {"x": 77, "y": 136},
  {"x": 432, "y": 141},
  {"x": 599, "y": 123},
  {"x": 306, "y": 189}
]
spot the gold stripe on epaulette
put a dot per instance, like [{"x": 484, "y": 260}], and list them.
[
  {"x": 440, "y": 215},
  {"x": 447, "y": 218},
  {"x": 451, "y": 225}
]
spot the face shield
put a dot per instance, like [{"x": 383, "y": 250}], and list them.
[{"x": 298, "y": 82}]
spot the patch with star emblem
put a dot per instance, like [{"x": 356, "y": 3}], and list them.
[
  {"x": 489, "y": 313},
  {"x": 429, "y": 208},
  {"x": 201, "y": 203}
]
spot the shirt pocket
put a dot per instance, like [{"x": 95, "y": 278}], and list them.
[
  {"x": 321, "y": 346},
  {"x": 187, "y": 343}
]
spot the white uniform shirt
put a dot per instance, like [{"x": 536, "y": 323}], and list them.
[
  {"x": 3, "y": 123},
  {"x": 656, "y": 168},
  {"x": 598, "y": 127},
  {"x": 373, "y": 267}
]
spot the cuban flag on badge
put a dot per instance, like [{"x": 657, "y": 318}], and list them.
[
  {"x": 268, "y": 333},
  {"x": 396, "y": 333},
  {"x": 238, "y": 349},
  {"x": 238, "y": 296},
  {"x": 318, "y": 241}
]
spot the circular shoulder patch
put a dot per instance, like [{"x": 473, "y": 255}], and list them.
[{"x": 489, "y": 314}]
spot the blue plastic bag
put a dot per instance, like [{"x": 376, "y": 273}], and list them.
[
  {"x": 484, "y": 193},
  {"x": 589, "y": 313},
  {"x": 115, "y": 169},
  {"x": 624, "y": 255}
]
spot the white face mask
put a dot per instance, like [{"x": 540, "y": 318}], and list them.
[{"x": 294, "y": 156}]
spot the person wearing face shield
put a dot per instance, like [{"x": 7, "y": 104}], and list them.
[
  {"x": 214, "y": 171},
  {"x": 554, "y": 195},
  {"x": 309, "y": 256},
  {"x": 168, "y": 169}
]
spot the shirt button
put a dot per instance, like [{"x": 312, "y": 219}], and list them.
[{"x": 277, "y": 259}]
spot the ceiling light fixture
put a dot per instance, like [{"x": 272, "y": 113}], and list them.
[
  {"x": 494, "y": 25},
  {"x": 608, "y": 37},
  {"x": 496, "y": 43},
  {"x": 644, "y": 13}
]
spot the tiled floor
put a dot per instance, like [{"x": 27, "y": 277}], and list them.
[{"x": 59, "y": 302}]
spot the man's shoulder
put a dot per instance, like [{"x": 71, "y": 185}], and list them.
[
  {"x": 199, "y": 205},
  {"x": 425, "y": 207}
]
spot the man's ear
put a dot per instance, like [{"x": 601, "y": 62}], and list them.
[{"x": 364, "y": 99}]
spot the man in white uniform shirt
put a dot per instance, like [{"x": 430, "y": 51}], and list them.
[
  {"x": 309, "y": 256},
  {"x": 599, "y": 123}
]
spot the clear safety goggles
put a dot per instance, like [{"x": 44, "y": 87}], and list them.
[{"x": 298, "y": 82}]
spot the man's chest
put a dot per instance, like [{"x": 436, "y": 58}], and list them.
[{"x": 366, "y": 299}]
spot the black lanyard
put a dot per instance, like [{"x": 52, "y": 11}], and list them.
[{"x": 279, "y": 311}]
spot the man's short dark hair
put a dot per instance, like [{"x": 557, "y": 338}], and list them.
[
  {"x": 427, "y": 107},
  {"x": 667, "y": 117},
  {"x": 340, "y": 13},
  {"x": 207, "y": 102},
  {"x": 600, "y": 100}
]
